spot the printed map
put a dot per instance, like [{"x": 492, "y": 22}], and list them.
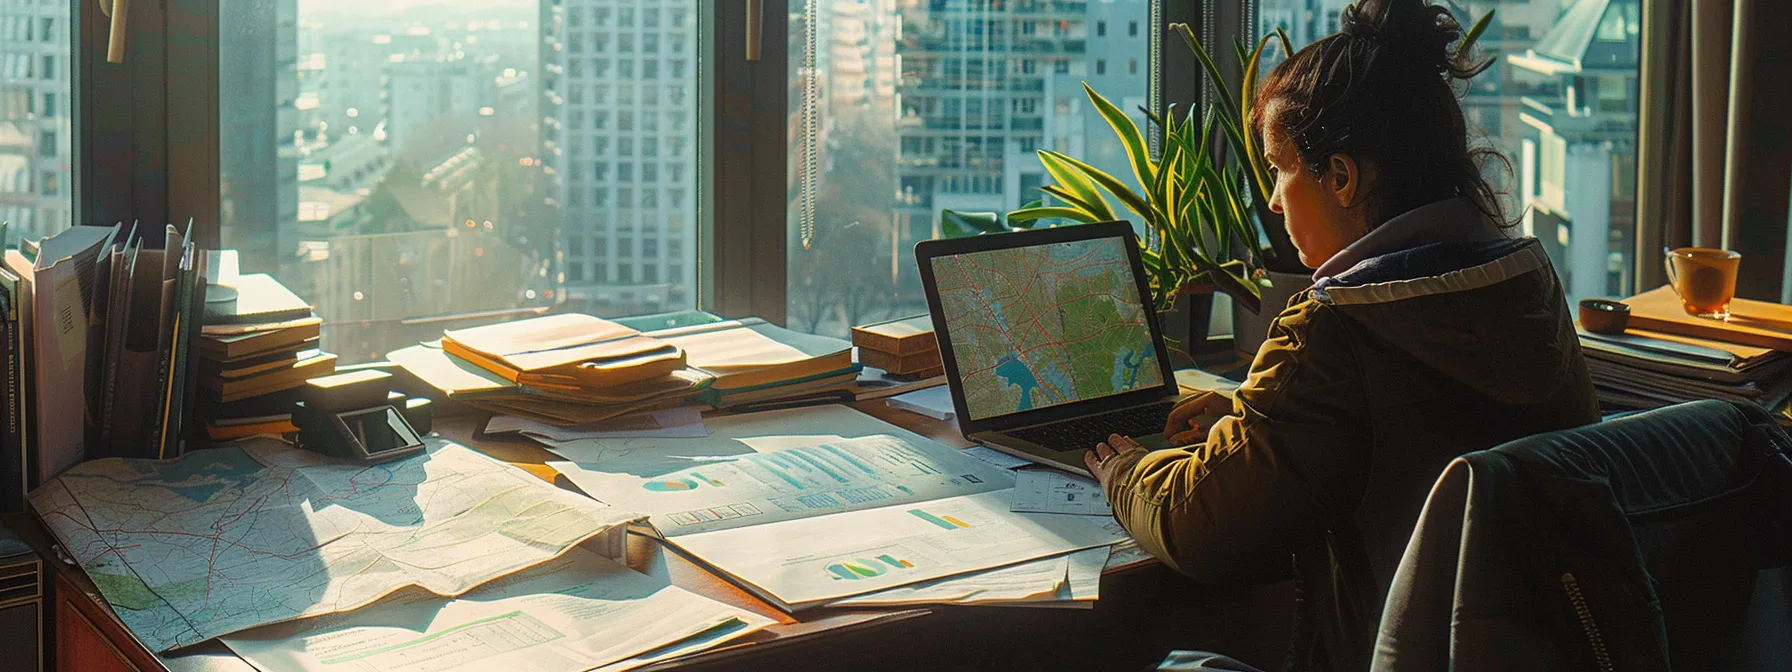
[
  {"x": 1039, "y": 326},
  {"x": 230, "y": 538}
]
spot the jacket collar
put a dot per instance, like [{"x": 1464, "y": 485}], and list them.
[{"x": 1447, "y": 221}]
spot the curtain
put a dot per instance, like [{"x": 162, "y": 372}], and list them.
[{"x": 1714, "y": 143}]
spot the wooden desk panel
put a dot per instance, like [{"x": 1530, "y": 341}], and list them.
[{"x": 1143, "y": 612}]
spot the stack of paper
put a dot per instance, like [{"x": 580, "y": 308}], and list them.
[
  {"x": 562, "y": 370},
  {"x": 232, "y": 538},
  {"x": 260, "y": 346},
  {"x": 1642, "y": 369},
  {"x": 756, "y": 363},
  {"x": 807, "y": 506},
  {"x": 579, "y": 612}
]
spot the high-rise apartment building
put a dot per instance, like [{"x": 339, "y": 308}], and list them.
[
  {"x": 1578, "y": 164},
  {"x": 618, "y": 132},
  {"x": 984, "y": 85},
  {"x": 35, "y": 143},
  {"x": 425, "y": 91},
  {"x": 258, "y": 122}
]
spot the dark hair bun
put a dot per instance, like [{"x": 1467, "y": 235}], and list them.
[{"x": 1412, "y": 31}]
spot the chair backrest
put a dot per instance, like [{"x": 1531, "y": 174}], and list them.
[{"x": 1681, "y": 510}]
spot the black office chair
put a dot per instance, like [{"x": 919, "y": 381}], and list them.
[{"x": 1630, "y": 544}]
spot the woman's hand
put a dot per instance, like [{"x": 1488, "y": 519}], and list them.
[
  {"x": 1191, "y": 419},
  {"x": 1096, "y": 460}
]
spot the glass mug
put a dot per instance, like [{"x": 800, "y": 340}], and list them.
[{"x": 1704, "y": 278}]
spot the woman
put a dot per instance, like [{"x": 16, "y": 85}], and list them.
[{"x": 1428, "y": 333}]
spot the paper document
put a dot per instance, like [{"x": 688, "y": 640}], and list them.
[
  {"x": 729, "y": 435},
  {"x": 230, "y": 538},
  {"x": 809, "y": 478},
  {"x": 1075, "y": 577},
  {"x": 684, "y": 422},
  {"x": 1053, "y": 491},
  {"x": 1196, "y": 380},
  {"x": 808, "y": 561},
  {"x": 1126, "y": 552},
  {"x": 995, "y": 457},
  {"x": 569, "y": 615},
  {"x": 933, "y": 402}
]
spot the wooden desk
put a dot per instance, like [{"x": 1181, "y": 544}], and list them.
[{"x": 1143, "y": 612}]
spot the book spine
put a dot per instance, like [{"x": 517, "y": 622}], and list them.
[
  {"x": 899, "y": 364},
  {"x": 866, "y": 340},
  {"x": 14, "y": 472}
]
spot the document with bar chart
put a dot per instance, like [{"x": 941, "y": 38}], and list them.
[
  {"x": 798, "y": 477},
  {"x": 811, "y": 561}
]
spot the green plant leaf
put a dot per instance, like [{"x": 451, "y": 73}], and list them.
[
  {"x": 1248, "y": 99},
  {"x": 1034, "y": 214},
  {"x": 1130, "y": 137},
  {"x": 1132, "y": 201},
  {"x": 1474, "y": 33},
  {"x": 1226, "y": 104},
  {"x": 1073, "y": 182},
  {"x": 1287, "y": 45},
  {"x": 954, "y": 224},
  {"x": 1070, "y": 199}
]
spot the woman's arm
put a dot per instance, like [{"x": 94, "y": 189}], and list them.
[{"x": 1289, "y": 463}]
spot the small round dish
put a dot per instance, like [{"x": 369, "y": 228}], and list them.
[{"x": 1604, "y": 316}]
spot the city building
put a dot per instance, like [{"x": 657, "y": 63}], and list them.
[
  {"x": 1578, "y": 162},
  {"x": 428, "y": 91},
  {"x": 259, "y": 121},
  {"x": 618, "y": 134},
  {"x": 981, "y": 90},
  {"x": 36, "y": 152}
]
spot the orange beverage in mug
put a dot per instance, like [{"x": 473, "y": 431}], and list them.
[{"x": 1705, "y": 279}]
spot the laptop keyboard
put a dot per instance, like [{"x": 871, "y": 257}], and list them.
[{"x": 1084, "y": 432}]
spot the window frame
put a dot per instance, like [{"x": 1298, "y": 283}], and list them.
[{"x": 135, "y": 160}]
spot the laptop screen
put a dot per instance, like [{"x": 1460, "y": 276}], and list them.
[{"x": 1045, "y": 325}]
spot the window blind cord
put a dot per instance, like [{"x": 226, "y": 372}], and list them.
[{"x": 811, "y": 128}]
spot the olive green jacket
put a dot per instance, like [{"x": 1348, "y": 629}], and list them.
[{"x": 1369, "y": 385}]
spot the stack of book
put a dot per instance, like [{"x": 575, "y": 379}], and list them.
[
  {"x": 1667, "y": 357},
  {"x": 100, "y": 326},
  {"x": 899, "y": 356},
  {"x": 566, "y": 370},
  {"x": 758, "y": 364},
  {"x": 258, "y": 347},
  {"x": 902, "y": 348}
]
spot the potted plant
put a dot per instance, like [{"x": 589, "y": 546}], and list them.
[
  {"x": 1281, "y": 274},
  {"x": 1199, "y": 204}
]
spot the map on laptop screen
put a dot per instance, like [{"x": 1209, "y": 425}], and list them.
[{"x": 1045, "y": 325}]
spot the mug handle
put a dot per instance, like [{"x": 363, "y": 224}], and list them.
[{"x": 1667, "y": 259}]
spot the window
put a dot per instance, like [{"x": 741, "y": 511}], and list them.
[
  {"x": 1560, "y": 104},
  {"x": 478, "y": 206},
  {"x": 33, "y": 171},
  {"x": 931, "y": 110},
  {"x": 1132, "y": 29}
]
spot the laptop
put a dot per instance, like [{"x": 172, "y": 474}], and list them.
[{"x": 1049, "y": 340}]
